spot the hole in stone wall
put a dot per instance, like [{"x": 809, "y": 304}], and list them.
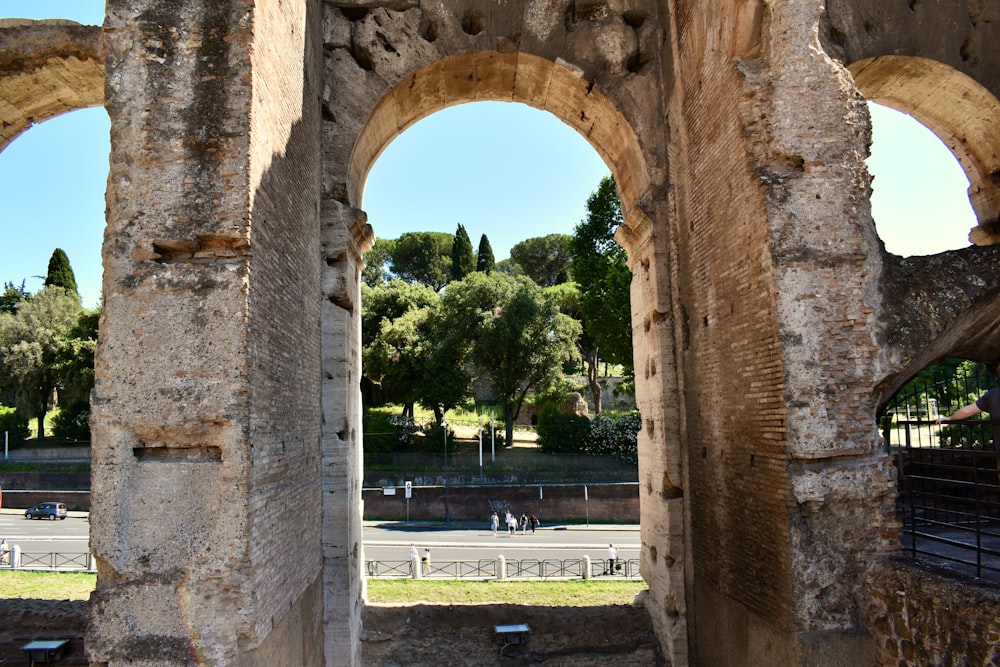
[
  {"x": 920, "y": 201},
  {"x": 473, "y": 22},
  {"x": 428, "y": 29},
  {"x": 207, "y": 454},
  {"x": 634, "y": 18},
  {"x": 353, "y": 14}
]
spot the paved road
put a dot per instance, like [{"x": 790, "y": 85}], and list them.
[
  {"x": 391, "y": 541},
  {"x": 387, "y": 541}
]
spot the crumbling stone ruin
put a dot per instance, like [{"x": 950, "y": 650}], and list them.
[{"x": 769, "y": 321}]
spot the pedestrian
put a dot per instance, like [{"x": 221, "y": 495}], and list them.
[
  {"x": 426, "y": 562},
  {"x": 4, "y": 552},
  {"x": 524, "y": 524},
  {"x": 511, "y": 524},
  {"x": 413, "y": 559},
  {"x": 988, "y": 402},
  {"x": 494, "y": 523},
  {"x": 533, "y": 520},
  {"x": 612, "y": 559}
]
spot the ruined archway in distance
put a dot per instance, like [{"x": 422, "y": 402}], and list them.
[
  {"x": 957, "y": 109},
  {"x": 536, "y": 82}
]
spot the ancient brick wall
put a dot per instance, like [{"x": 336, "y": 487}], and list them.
[{"x": 563, "y": 502}]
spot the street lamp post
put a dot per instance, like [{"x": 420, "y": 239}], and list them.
[{"x": 447, "y": 513}]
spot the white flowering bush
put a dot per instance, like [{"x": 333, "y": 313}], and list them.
[{"x": 618, "y": 437}]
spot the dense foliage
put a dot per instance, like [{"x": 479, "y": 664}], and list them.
[
  {"x": 463, "y": 262},
  {"x": 14, "y": 424},
  {"x": 601, "y": 436},
  {"x": 600, "y": 270},
  {"x": 485, "y": 262}
]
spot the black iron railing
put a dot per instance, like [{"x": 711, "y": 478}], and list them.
[{"x": 949, "y": 474}]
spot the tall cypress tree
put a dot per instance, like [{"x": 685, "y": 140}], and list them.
[
  {"x": 485, "y": 263},
  {"x": 60, "y": 272},
  {"x": 462, "y": 261}
]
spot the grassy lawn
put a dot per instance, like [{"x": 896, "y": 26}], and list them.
[
  {"x": 576, "y": 593},
  {"x": 46, "y": 585}
]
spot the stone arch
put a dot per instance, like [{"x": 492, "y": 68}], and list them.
[
  {"x": 963, "y": 113},
  {"x": 542, "y": 84},
  {"x": 47, "y": 68}
]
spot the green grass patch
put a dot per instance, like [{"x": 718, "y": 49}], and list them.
[
  {"x": 575, "y": 593},
  {"x": 46, "y": 585}
]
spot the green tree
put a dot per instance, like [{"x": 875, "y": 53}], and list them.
[
  {"x": 414, "y": 358},
  {"x": 30, "y": 344},
  {"x": 514, "y": 335},
  {"x": 463, "y": 262},
  {"x": 423, "y": 257},
  {"x": 485, "y": 262},
  {"x": 397, "y": 357},
  {"x": 545, "y": 259},
  {"x": 509, "y": 267},
  {"x": 60, "y": 273},
  {"x": 12, "y": 295},
  {"x": 376, "y": 271},
  {"x": 387, "y": 302},
  {"x": 600, "y": 269}
]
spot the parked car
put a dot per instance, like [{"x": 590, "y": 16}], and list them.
[{"x": 50, "y": 511}]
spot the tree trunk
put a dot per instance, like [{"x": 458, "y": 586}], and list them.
[{"x": 593, "y": 370}]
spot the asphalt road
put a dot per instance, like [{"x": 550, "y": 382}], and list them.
[{"x": 384, "y": 541}]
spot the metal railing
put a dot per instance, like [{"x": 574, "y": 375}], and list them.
[
  {"x": 502, "y": 568},
  {"x": 42, "y": 560},
  {"x": 949, "y": 475}
]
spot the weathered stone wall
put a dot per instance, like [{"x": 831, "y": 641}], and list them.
[
  {"x": 206, "y": 407},
  {"x": 922, "y": 616}
]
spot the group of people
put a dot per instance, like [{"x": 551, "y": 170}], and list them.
[
  {"x": 425, "y": 560},
  {"x": 512, "y": 523}
]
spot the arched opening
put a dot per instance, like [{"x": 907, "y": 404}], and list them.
[
  {"x": 961, "y": 112},
  {"x": 920, "y": 201},
  {"x": 52, "y": 181},
  {"x": 510, "y": 174}
]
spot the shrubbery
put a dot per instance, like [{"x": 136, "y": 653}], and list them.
[
  {"x": 386, "y": 433},
  {"x": 73, "y": 421},
  {"x": 14, "y": 424},
  {"x": 615, "y": 437},
  {"x": 559, "y": 432},
  {"x": 602, "y": 436}
]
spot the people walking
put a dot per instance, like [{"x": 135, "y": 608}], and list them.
[
  {"x": 524, "y": 524},
  {"x": 612, "y": 559},
  {"x": 494, "y": 523},
  {"x": 534, "y": 522},
  {"x": 413, "y": 560},
  {"x": 511, "y": 524},
  {"x": 425, "y": 562}
]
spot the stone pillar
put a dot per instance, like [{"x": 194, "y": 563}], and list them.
[
  {"x": 346, "y": 236},
  {"x": 205, "y": 412}
]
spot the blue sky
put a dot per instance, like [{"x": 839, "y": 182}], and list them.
[{"x": 505, "y": 170}]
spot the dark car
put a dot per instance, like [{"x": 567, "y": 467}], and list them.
[{"x": 50, "y": 511}]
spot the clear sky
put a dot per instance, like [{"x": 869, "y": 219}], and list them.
[{"x": 506, "y": 170}]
